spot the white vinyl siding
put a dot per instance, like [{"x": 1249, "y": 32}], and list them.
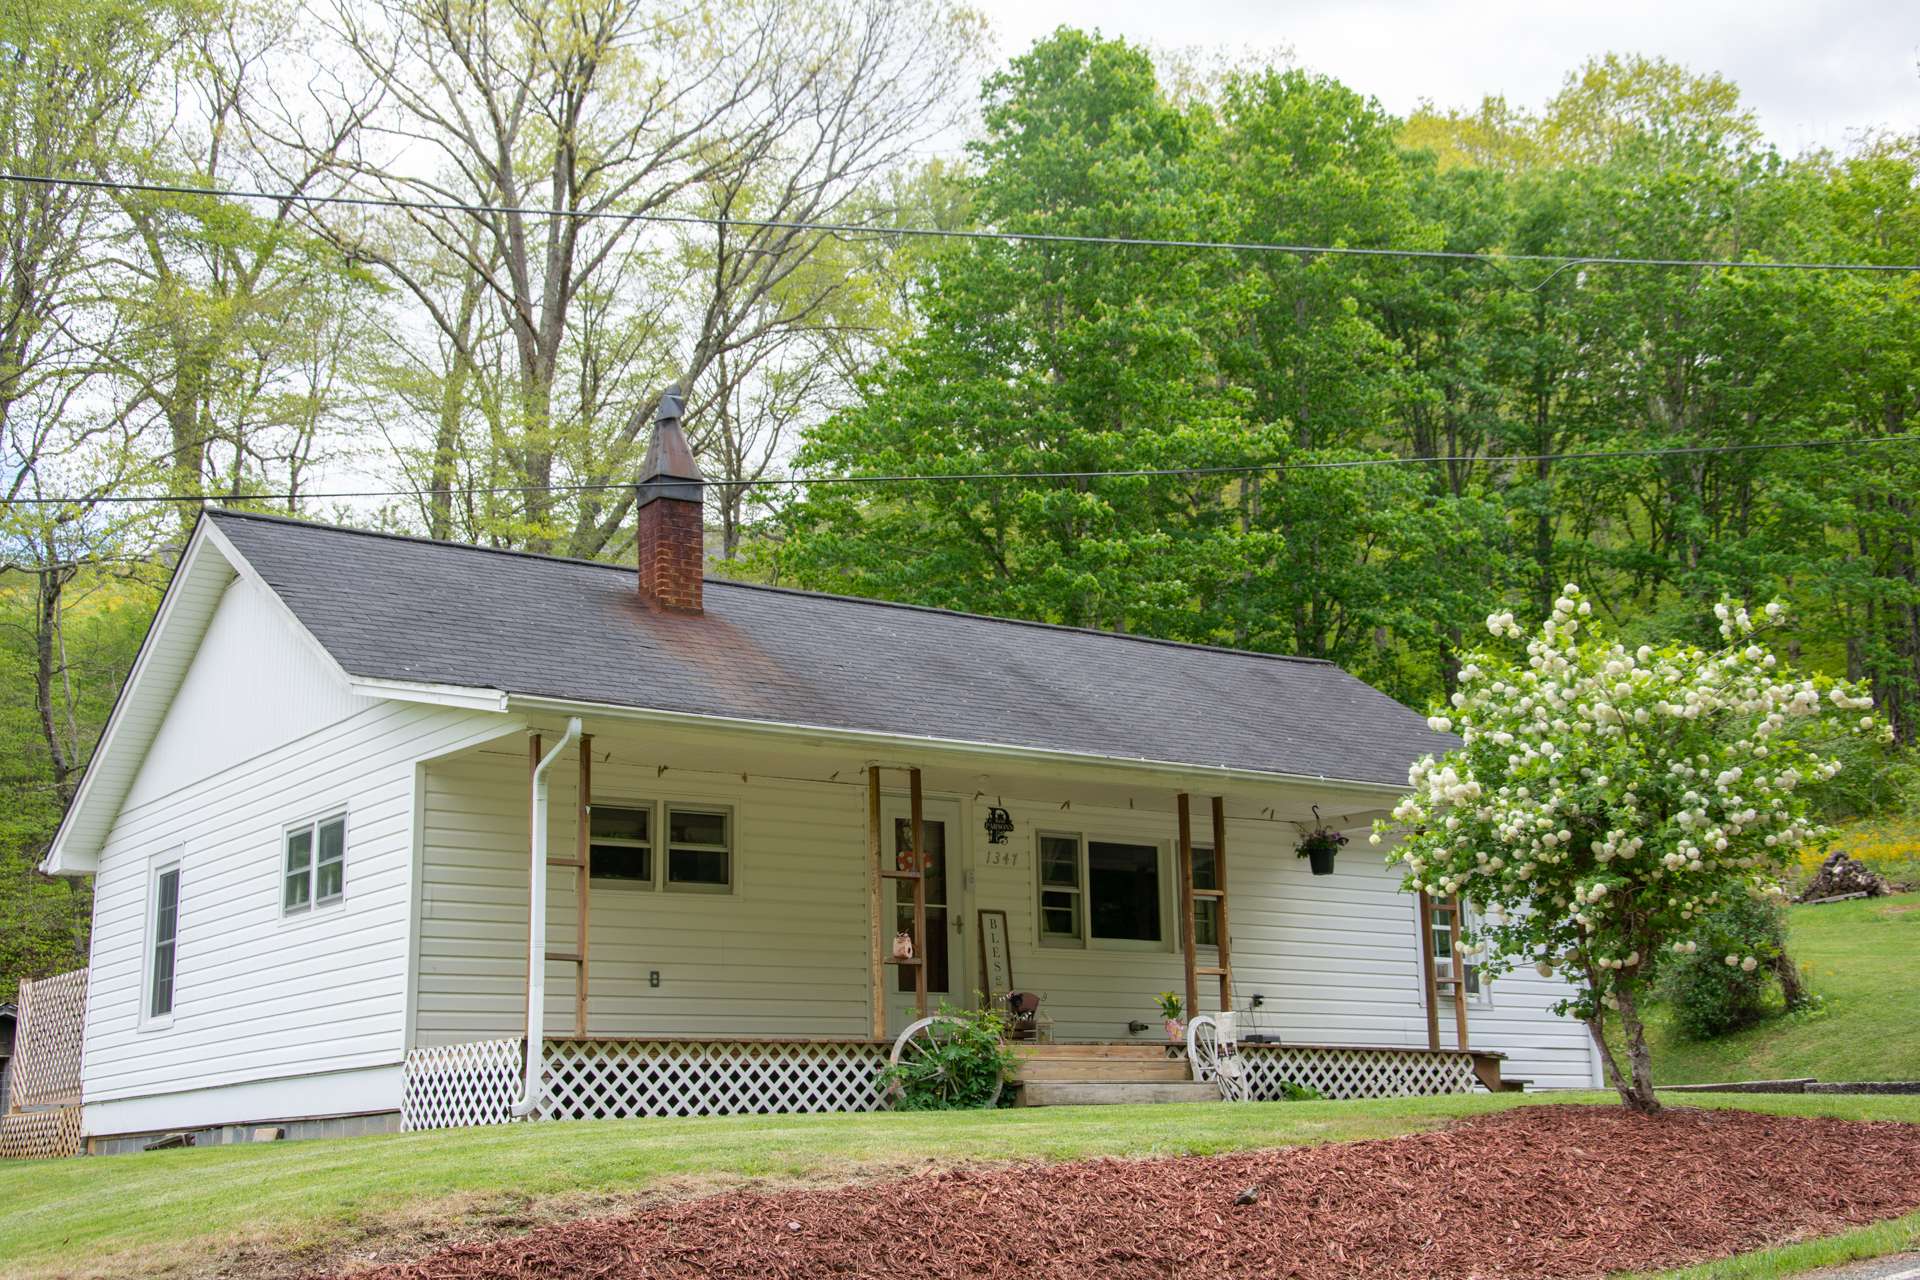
[
  {"x": 785, "y": 953},
  {"x": 259, "y": 995}
]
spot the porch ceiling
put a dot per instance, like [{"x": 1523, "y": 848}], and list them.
[{"x": 733, "y": 753}]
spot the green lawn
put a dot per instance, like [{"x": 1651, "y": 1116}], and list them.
[
  {"x": 1863, "y": 960},
  {"x": 190, "y": 1211}
]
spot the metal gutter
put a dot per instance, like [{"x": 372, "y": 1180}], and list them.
[{"x": 1167, "y": 769}]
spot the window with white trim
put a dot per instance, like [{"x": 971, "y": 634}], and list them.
[
  {"x": 1206, "y": 911},
  {"x": 699, "y": 849},
  {"x": 620, "y": 844},
  {"x": 1107, "y": 892},
  {"x": 164, "y": 932},
  {"x": 1440, "y": 934},
  {"x": 1060, "y": 913},
  {"x": 313, "y": 870}
]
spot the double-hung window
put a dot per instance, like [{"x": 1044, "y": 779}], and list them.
[
  {"x": 621, "y": 844},
  {"x": 699, "y": 849},
  {"x": 1100, "y": 891},
  {"x": 1440, "y": 938},
  {"x": 682, "y": 847},
  {"x": 1206, "y": 911},
  {"x": 164, "y": 935},
  {"x": 1060, "y": 893},
  {"x": 313, "y": 872}
]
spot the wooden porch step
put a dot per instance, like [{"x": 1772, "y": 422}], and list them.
[
  {"x": 1116, "y": 1070},
  {"x": 1088, "y": 1093},
  {"x": 1132, "y": 1050}
]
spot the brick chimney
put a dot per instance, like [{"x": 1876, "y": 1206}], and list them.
[{"x": 672, "y": 534}]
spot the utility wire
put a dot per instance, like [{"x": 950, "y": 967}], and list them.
[
  {"x": 972, "y": 477},
  {"x": 1561, "y": 261}
]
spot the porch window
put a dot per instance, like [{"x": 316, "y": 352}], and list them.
[
  {"x": 1060, "y": 913},
  {"x": 166, "y": 935},
  {"x": 1123, "y": 882},
  {"x": 314, "y": 873},
  {"x": 620, "y": 847},
  {"x": 1099, "y": 890},
  {"x": 1206, "y": 911},
  {"x": 699, "y": 849},
  {"x": 1441, "y": 919}
]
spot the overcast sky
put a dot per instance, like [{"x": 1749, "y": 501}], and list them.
[{"x": 1816, "y": 73}]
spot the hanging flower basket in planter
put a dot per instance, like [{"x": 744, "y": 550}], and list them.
[{"x": 1318, "y": 847}]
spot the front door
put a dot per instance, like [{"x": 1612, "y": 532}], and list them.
[{"x": 942, "y": 953}]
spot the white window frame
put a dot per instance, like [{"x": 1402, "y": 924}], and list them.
[
  {"x": 1442, "y": 965},
  {"x": 158, "y": 866},
  {"x": 653, "y": 845},
  {"x": 664, "y": 846},
  {"x": 1200, "y": 904},
  {"x": 311, "y": 826},
  {"x": 1164, "y": 874},
  {"x": 1041, "y": 888}
]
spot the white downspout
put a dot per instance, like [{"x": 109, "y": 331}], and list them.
[{"x": 537, "y": 929}]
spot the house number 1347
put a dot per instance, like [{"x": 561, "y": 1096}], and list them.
[{"x": 1001, "y": 856}]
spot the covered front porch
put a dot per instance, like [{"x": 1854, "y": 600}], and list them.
[{"x": 721, "y": 909}]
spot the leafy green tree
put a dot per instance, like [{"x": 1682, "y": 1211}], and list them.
[
  {"x": 46, "y": 735},
  {"x": 1050, "y": 358}
]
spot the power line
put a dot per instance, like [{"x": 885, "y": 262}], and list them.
[
  {"x": 1561, "y": 261},
  {"x": 972, "y": 477}
]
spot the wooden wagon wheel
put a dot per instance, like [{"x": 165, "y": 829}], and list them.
[
  {"x": 916, "y": 1057},
  {"x": 1213, "y": 1058}
]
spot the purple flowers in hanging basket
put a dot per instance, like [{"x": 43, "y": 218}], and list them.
[{"x": 1318, "y": 846}]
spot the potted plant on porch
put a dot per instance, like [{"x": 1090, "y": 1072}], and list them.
[
  {"x": 1171, "y": 1010},
  {"x": 1319, "y": 845}
]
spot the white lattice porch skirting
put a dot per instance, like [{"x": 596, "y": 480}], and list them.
[
  {"x": 472, "y": 1084},
  {"x": 475, "y": 1084},
  {"x": 1344, "y": 1072}
]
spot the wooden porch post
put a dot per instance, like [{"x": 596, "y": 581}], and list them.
[
  {"x": 1220, "y": 883},
  {"x": 1456, "y": 920},
  {"x": 919, "y": 894},
  {"x": 1186, "y": 904},
  {"x": 583, "y": 853},
  {"x": 1426, "y": 960},
  {"x": 875, "y": 888}
]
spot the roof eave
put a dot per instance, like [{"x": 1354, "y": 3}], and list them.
[{"x": 1173, "y": 772}]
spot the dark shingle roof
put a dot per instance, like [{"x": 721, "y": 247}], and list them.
[{"x": 399, "y": 608}]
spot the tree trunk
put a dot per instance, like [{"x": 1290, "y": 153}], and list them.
[
  {"x": 1636, "y": 1093},
  {"x": 51, "y": 583},
  {"x": 1791, "y": 987}
]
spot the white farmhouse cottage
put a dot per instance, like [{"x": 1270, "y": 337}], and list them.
[{"x": 375, "y": 813}]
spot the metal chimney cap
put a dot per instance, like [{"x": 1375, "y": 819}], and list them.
[
  {"x": 669, "y": 471},
  {"x": 672, "y": 406}
]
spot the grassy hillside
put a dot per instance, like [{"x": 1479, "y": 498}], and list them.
[{"x": 1863, "y": 960}]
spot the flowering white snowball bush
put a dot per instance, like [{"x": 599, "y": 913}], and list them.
[{"x": 1604, "y": 800}]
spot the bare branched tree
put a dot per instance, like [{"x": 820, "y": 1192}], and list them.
[{"x": 513, "y": 116}]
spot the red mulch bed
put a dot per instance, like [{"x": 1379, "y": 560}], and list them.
[{"x": 1551, "y": 1191}]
